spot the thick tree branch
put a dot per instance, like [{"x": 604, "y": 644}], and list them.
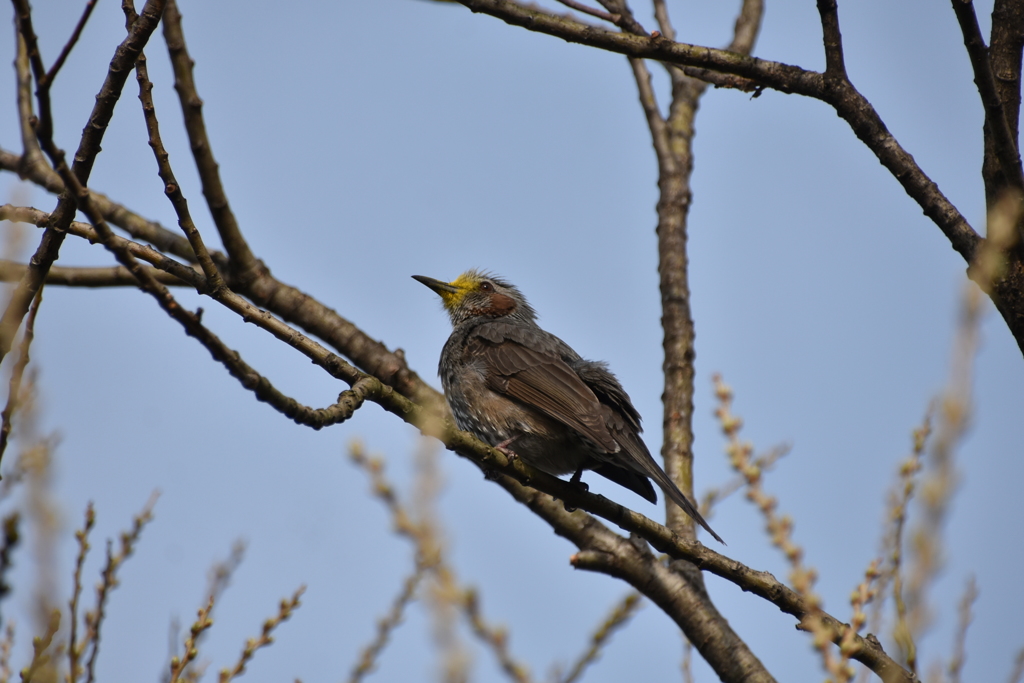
[
  {"x": 1003, "y": 140},
  {"x": 1004, "y": 55},
  {"x": 835, "y": 62}
]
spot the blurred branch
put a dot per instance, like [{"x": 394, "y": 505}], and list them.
[
  {"x": 864, "y": 593},
  {"x": 956, "y": 660},
  {"x": 893, "y": 543},
  {"x": 496, "y": 638},
  {"x": 42, "y": 662},
  {"x": 94, "y": 619},
  {"x": 284, "y": 612},
  {"x": 619, "y": 616},
  {"x": 14, "y": 386},
  {"x": 780, "y": 531},
  {"x": 368, "y": 657},
  {"x": 422, "y": 529},
  {"x": 76, "y": 649},
  {"x": 11, "y": 538},
  {"x": 6, "y": 645},
  {"x": 764, "y": 463},
  {"x": 1017, "y": 673},
  {"x": 203, "y": 622}
]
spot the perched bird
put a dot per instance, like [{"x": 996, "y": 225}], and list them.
[{"x": 521, "y": 389}]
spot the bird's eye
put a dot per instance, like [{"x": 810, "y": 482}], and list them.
[{"x": 486, "y": 286}]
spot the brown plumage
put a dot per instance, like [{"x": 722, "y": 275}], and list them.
[{"x": 517, "y": 387}]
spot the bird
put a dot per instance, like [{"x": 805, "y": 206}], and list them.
[{"x": 523, "y": 390}]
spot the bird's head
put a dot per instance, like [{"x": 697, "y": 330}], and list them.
[{"x": 476, "y": 294}]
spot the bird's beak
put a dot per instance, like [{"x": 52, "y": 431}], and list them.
[{"x": 438, "y": 286}]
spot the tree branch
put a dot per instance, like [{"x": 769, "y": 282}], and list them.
[
  {"x": 241, "y": 258},
  {"x": 1003, "y": 141},
  {"x": 88, "y": 148},
  {"x": 848, "y": 103}
]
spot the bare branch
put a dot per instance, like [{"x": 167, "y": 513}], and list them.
[
  {"x": 848, "y": 103},
  {"x": 171, "y": 187},
  {"x": 242, "y": 260},
  {"x": 835, "y": 64},
  {"x": 580, "y": 7},
  {"x": 46, "y": 80},
  {"x": 89, "y": 147},
  {"x": 111, "y": 276},
  {"x": 996, "y": 123}
]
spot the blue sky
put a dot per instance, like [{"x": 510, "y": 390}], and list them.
[{"x": 361, "y": 143}]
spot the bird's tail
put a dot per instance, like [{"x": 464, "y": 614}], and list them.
[{"x": 643, "y": 458}]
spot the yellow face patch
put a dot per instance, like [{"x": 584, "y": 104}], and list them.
[{"x": 466, "y": 283}]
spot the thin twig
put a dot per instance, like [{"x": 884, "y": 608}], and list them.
[
  {"x": 171, "y": 187},
  {"x": 76, "y": 649},
  {"x": 94, "y": 619},
  {"x": 899, "y": 505},
  {"x": 369, "y": 655},
  {"x": 46, "y": 80},
  {"x": 202, "y": 623},
  {"x": 284, "y": 611},
  {"x": 40, "y": 644},
  {"x": 88, "y": 148},
  {"x": 618, "y": 617},
  {"x": 862, "y": 595},
  {"x": 580, "y": 7},
  {"x": 242, "y": 259},
  {"x": 496, "y": 638},
  {"x": 956, "y": 660},
  {"x": 780, "y": 530},
  {"x": 764, "y": 463}
]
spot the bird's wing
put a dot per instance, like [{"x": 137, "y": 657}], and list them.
[{"x": 546, "y": 383}]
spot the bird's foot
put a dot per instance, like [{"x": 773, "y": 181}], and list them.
[
  {"x": 575, "y": 480},
  {"x": 504, "y": 448}
]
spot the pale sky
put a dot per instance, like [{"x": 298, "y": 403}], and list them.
[{"x": 361, "y": 143}]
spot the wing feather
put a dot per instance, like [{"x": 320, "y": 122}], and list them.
[{"x": 545, "y": 382}]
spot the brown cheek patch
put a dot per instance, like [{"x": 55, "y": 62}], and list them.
[{"x": 498, "y": 306}]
